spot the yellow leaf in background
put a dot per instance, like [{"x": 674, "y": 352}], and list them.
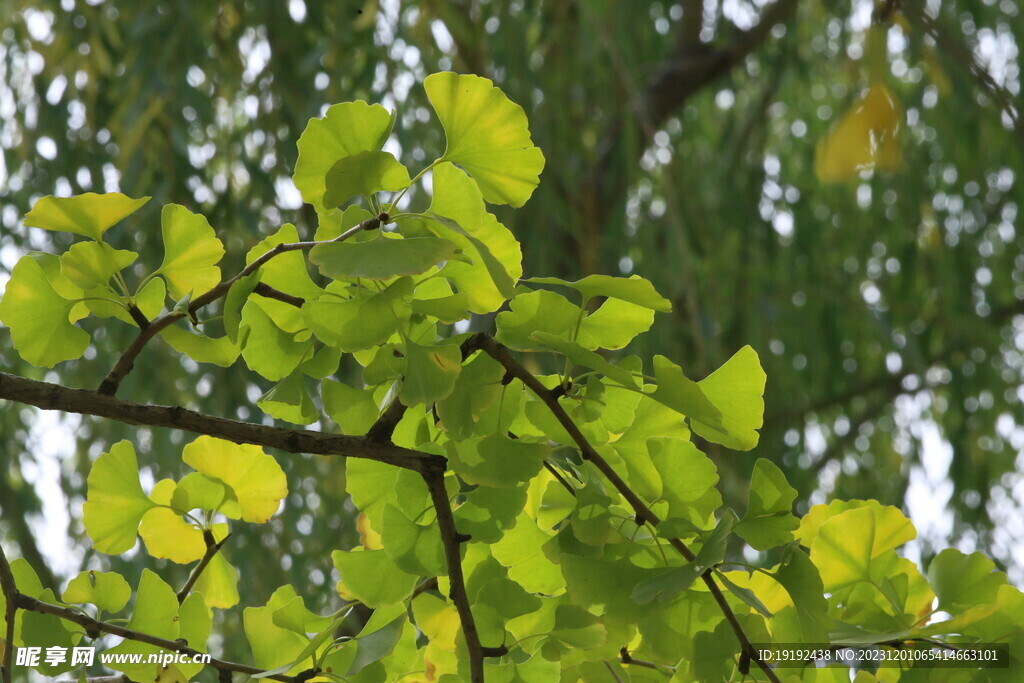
[
  {"x": 368, "y": 538},
  {"x": 865, "y": 138}
]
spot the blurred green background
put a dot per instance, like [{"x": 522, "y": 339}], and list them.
[{"x": 888, "y": 308}]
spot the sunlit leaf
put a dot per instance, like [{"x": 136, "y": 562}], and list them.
[
  {"x": 191, "y": 252},
  {"x": 115, "y": 503},
  {"x": 363, "y": 174},
  {"x": 488, "y": 135},
  {"x": 107, "y": 590},
  {"x": 255, "y": 478},
  {"x": 38, "y": 318},
  {"x": 88, "y": 214},
  {"x": 92, "y": 264},
  {"x": 345, "y": 130}
]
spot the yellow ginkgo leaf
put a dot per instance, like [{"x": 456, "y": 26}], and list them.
[
  {"x": 865, "y": 138},
  {"x": 169, "y": 536},
  {"x": 255, "y": 478}
]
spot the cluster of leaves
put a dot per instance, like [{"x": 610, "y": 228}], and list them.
[{"x": 566, "y": 577}]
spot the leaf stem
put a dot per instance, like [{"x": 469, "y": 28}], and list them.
[{"x": 412, "y": 182}]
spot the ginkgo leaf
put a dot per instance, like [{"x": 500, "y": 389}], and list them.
[
  {"x": 496, "y": 255},
  {"x": 345, "y": 130},
  {"x": 430, "y": 372},
  {"x": 866, "y": 137},
  {"x": 191, "y": 252},
  {"x": 382, "y": 258},
  {"x": 200, "y": 348},
  {"x": 255, "y": 478},
  {"x": 857, "y": 545},
  {"x": 219, "y": 583},
  {"x": 38, "y": 317},
  {"x": 736, "y": 389},
  {"x": 107, "y": 590},
  {"x": 488, "y": 135},
  {"x": 372, "y": 577},
  {"x": 92, "y": 264},
  {"x": 88, "y": 214},
  {"x": 363, "y": 174},
  {"x": 633, "y": 289},
  {"x": 115, "y": 503},
  {"x": 168, "y": 536},
  {"x": 768, "y": 521}
]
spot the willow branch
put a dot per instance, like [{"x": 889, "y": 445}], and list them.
[
  {"x": 95, "y": 626},
  {"x": 84, "y": 402},
  {"x": 500, "y": 353},
  {"x": 212, "y": 548},
  {"x": 10, "y": 591},
  {"x": 126, "y": 362},
  {"x": 451, "y": 539}
]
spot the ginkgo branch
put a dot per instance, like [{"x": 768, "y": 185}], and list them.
[
  {"x": 501, "y": 353},
  {"x": 451, "y": 540},
  {"x": 212, "y": 548},
  {"x": 126, "y": 362},
  {"x": 85, "y": 402},
  {"x": 96, "y": 626}
]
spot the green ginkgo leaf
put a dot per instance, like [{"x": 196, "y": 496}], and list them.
[
  {"x": 736, "y": 389},
  {"x": 92, "y": 264},
  {"x": 382, "y": 258},
  {"x": 345, "y": 130},
  {"x": 219, "y": 583},
  {"x": 200, "y": 348},
  {"x": 115, "y": 502},
  {"x": 858, "y": 545},
  {"x": 168, "y": 536},
  {"x": 372, "y": 577},
  {"x": 290, "y": 401},
  {"x": 430, "y": 372},
  {"x": 413, "y": 547},
  {"x": 107, "y": 590},
  {"x": 768, "y": 521},
  {"x": 488, "y": 135},
  {"x": 191, "y": 252},
  {"x": 38, "y": 318},
  {"x": 257, "y": 480},
  {"x": 363, "y": 174},
  {"x": 273, "y": 353},
  {"x": 497, "y": 258},
  {"x": 88, "y": 214},
  {"x": 634, "y": 289}
]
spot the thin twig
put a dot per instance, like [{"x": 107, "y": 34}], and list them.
[
  {"x": 84, "y": 402},
  {"x": 500, "y": 353},
  {"x": 126, "y": 362},
  {"x": 212, "y": 548},
  {"x": 269, "y": 292},
  {"x": 94, "y": 625},
  {"x": 10, "y": 591}
]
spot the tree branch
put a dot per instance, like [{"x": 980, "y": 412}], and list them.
[
  {"x": 500, "y": 353},
  {"x": 94, "y": 625},
  {"x": 212, "y": 548},
  {"x": 451, "y": 540},
  {"x": 55, "y": 397},
  {"x": 384, "y": 428},
  {"x": 126, "y": 362},
  {"x": 10, "y": 591}
]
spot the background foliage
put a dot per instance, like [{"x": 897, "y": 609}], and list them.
[{"x": 884, "y": 308}]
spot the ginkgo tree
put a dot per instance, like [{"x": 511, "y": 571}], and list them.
[{"x": 532, "y": 503}]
